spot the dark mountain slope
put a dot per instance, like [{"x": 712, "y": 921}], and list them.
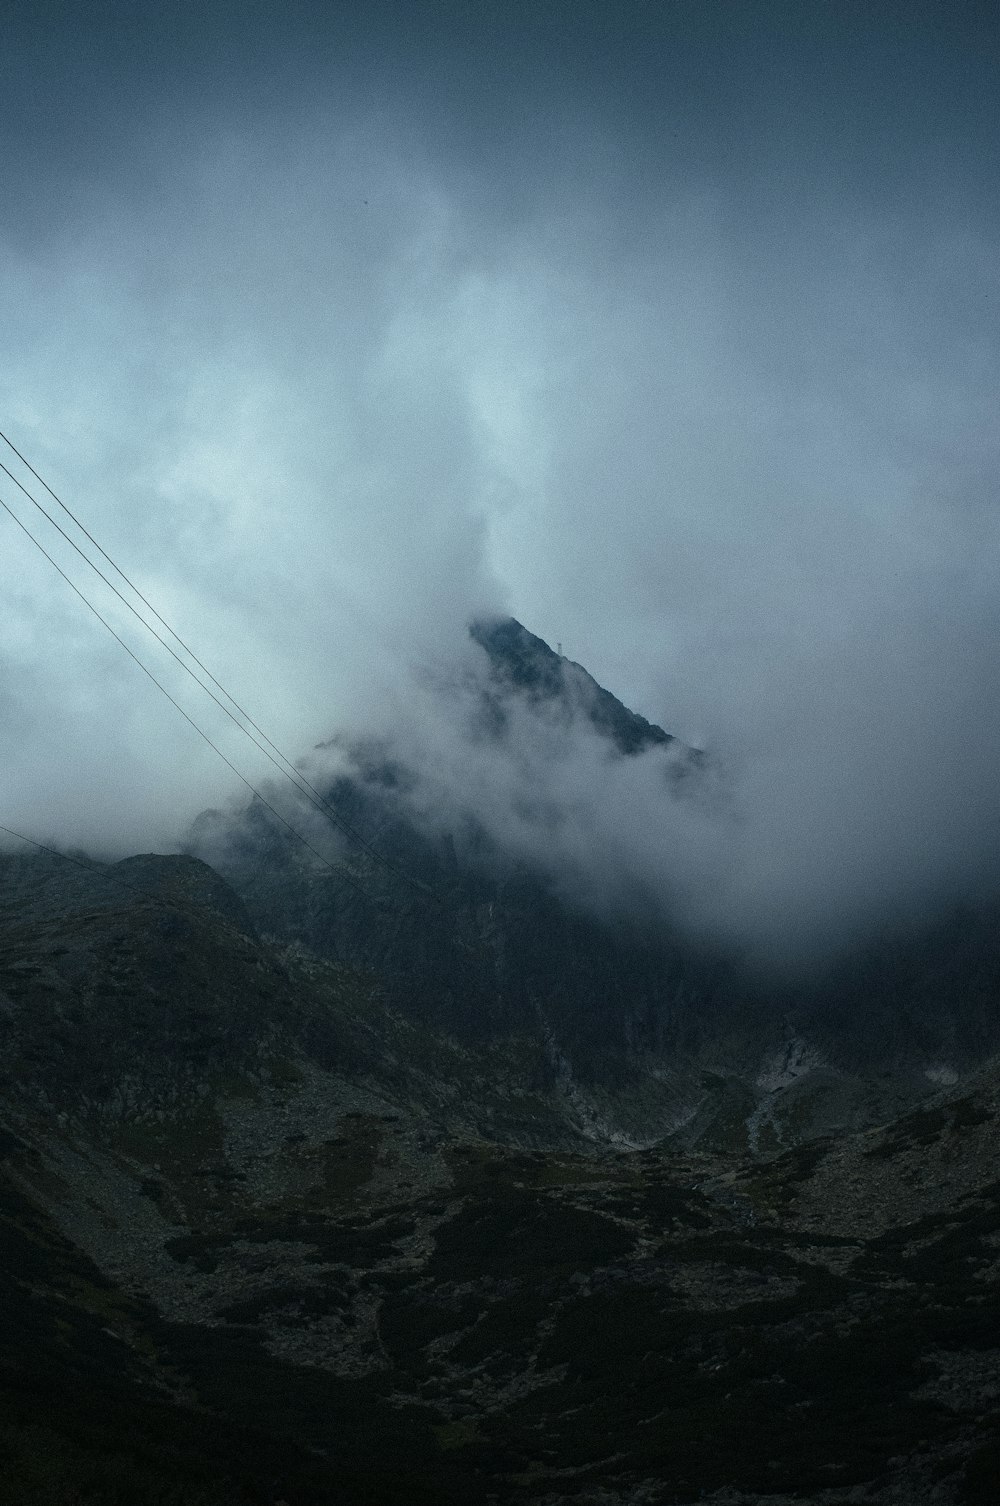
[
  {"x": 527, "y": 665},
  {"x": 348, "y": 1189},
  {"x": 318, "y": 1254},
  {"x": 483, "y": 945},
  {"x": 647, "y": 1032}
]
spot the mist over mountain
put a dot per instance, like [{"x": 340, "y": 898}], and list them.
[
  {"x": 786, "y": 855},
  {"x": 435, "y": 1169},
  {"x": 569, "y": 429},
  {"x": 529, "y": 855},
  {"x": 534, "y": 326}
]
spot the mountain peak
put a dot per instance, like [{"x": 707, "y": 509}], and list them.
[{"x": 526, "y": 664}]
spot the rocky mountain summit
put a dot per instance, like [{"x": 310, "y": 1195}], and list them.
[
  {"x": 522, "y": 663},
  {"x": 323, "y": 1187}
]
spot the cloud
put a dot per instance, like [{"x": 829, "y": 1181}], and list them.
[
  {"x": 803, "y": 836},
  {"x": 250, "y": 417},
  {"x": 328, "y": 384}
]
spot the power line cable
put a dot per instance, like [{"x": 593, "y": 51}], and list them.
[
  {"x": 344, "y": 825},
  {"x": 177, "y": 705},
  {"x": 54, "y": 852},
  {"x": 109, "y": 872},
  {"x": 303, "y": 787},
  {"x": 286, "y": 767},
  {"x": 102, "y": 870},
  {"x": 130, "y": 583}
]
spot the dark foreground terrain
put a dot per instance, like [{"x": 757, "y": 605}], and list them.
[{"x": 265, "y": 1239}]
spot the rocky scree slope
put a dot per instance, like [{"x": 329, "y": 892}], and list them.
[{"x": 264, "y": 1239}]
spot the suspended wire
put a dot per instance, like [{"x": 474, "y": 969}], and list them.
[
  {"x": 130, "y": 583},
  {"x": 340, "y": 871},
  {"x": 301, "y": 783},
  {"x": 294, "y": 772},
  {"x": 102, "y": 870},
  {"x": 54, "y": 852},
  {"x": 110, "y": 873},
  {"x": 286, "y": 767}
]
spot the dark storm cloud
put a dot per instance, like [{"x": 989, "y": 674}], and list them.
[
  {"x": 670, "y": 328},
  {"x": 827, "y": 98}
]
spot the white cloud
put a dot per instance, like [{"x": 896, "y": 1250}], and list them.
[{"x": 326, "y": 405}]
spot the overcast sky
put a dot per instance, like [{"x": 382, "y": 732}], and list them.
[{"x": 671, "y": 329}]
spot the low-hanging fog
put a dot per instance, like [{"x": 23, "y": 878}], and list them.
[{"x": 673, "y": 339}]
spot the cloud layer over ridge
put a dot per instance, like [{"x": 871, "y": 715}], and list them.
[{"x": 679, "y": 345}]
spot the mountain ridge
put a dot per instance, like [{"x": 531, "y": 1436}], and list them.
[
  {"x": 315, "y": 1189},
  {"x": 521, "y": 660}
]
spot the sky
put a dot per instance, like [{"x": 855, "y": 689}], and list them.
[{"x": 670, "y": 329}]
